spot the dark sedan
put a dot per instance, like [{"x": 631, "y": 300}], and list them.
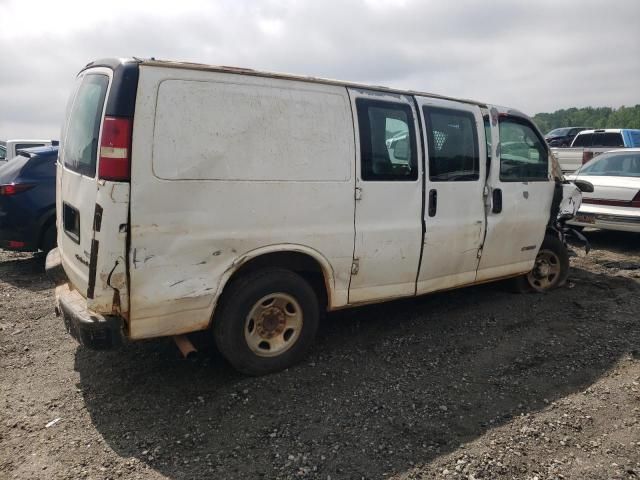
[
  {"x": 562, "y": 137},
  {"x": 28, "y": 200}
]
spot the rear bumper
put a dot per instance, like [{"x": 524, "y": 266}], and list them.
[
  {"x": 608, "y": 220},
  {"x": 91, "y": 329}
]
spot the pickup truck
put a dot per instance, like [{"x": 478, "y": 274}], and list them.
[
  {"x": 591, "y": 143},
  {"x": 9, "y": 148}
]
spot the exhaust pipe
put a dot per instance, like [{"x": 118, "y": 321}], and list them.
[{"x": 185, "y": 346}]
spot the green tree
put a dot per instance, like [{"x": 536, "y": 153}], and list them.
[{"x": 600, "y": 117}]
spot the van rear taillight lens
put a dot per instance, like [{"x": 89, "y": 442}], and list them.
[
  {"x": 635, "y": 201},
  {"x": 115, "y": 150},
  {"x": 13, "y": 189}
]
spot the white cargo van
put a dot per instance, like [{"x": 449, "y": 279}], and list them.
[{"x": 195, "y": 197}]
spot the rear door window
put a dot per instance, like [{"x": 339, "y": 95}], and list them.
[{"x": 81, "y": 143}]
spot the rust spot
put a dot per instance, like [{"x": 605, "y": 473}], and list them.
[{"x": 118, "y": 280}]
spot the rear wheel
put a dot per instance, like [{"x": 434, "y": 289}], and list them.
[
  {"x": 267, "y": 321},
  {"x": 550, "y": 270}
]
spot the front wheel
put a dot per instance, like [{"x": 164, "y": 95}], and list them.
[
  {"x": 267, "y": 321},
  {"x": 550, "y": 270}
]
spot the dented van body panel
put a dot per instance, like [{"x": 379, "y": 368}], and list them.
[{"x": 231, "y": 167}]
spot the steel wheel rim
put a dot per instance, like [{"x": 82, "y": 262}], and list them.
[
  {"x": 546, "y": 271},
  {"x": 273, "y": 324}
]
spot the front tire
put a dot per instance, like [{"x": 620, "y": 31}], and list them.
[
  {"x": 267, "y": 321},
  {"x": 550, "y": 270}
]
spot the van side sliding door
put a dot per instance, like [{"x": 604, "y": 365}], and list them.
[
  {"x": 454, "y": 185},
  {"x": 388, "y": 196}
]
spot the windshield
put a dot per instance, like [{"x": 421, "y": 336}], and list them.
[
  {"x": 623, "y": 164},
  {"x": 558, "y": 132}
]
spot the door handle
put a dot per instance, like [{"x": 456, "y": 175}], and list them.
[
  {"x": 433, "y": 202},
  {"x": 496, "y": 197}
]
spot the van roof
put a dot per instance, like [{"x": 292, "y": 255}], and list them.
[{"x": 152, "y": 62}]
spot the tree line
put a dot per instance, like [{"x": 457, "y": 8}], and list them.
[{"x": 602, "y": 117}]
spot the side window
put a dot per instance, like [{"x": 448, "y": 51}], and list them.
[
  {"x": 3, "y": 152},
  {"x": 607, "y": 139},
  {"x": 387, "y": 141},
  {"x": 583, "y": 140},
  {"x": 453, "y": 145},
  {"x": 523, "y": 155},
  {"x": 20, "y": 146},
  {"x": 635, "y": 139}
]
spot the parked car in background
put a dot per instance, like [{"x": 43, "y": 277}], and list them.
[
  {"x": 591, "y": 143},
  {"x": 28, "y": 200},
  {"x": 615, "y": 202},
  {"x": 8, "y": 148},
  {"x": 562, "y": 137}
]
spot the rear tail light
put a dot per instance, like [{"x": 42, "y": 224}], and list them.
[
  {"x": 16, "y": 244},
  {"x": 13, "y": 189},
  {"x": 635, "y": 201},
  {"x": 115, "y": 150},
  {"x": 586, "y": 156}
]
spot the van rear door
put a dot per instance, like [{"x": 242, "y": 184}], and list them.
[{"x": 92, "y": 197}]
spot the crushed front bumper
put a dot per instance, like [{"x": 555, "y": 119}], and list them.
[{"x": 90, "y": 329}]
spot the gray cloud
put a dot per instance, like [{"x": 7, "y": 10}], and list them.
[{"x": 535, "y": 56}]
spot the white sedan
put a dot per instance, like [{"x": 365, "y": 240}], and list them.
[{"x": 614, "y": 203}]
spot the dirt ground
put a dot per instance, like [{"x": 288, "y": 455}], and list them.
[{"x": 474, "y": 383}]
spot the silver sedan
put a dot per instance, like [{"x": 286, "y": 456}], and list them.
[{"x": 615, "y": 202}]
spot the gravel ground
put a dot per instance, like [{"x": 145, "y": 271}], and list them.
[{"x": 474, "y": 383}]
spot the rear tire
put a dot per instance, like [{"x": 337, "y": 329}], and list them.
[
  {"x": 267, "y": 321},
  {"x": 551, "y": 268}
]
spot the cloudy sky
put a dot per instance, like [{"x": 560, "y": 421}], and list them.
[{"x": 537, "y": 55}]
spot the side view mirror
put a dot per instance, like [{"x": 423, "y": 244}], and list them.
[{"x": 584, "y": 186}]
